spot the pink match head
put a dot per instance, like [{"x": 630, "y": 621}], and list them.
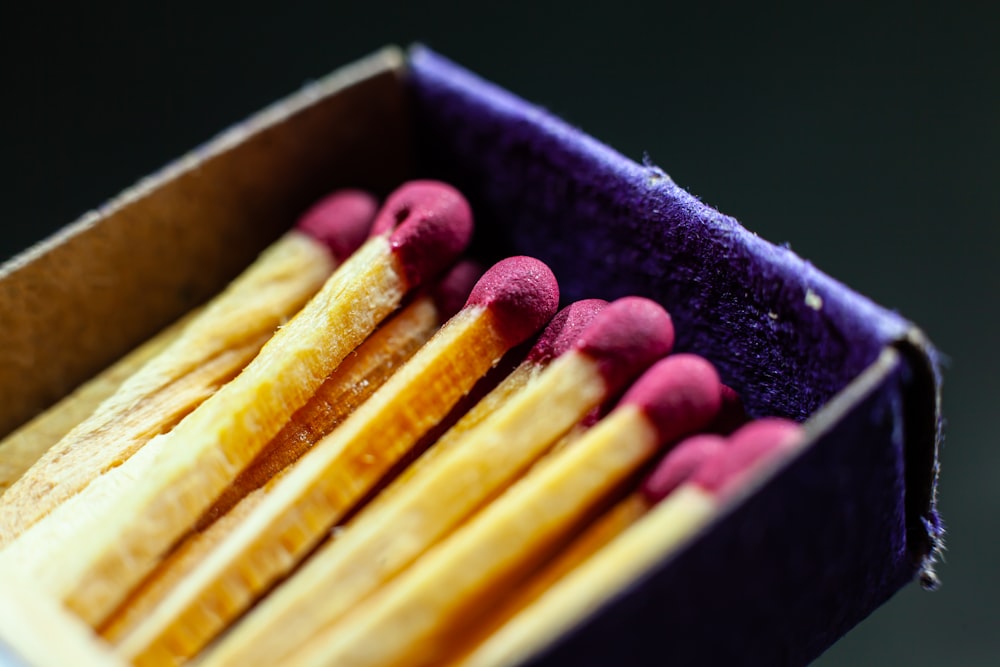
[
  {"x": 521, "y": 293},
  {"x": 731, "y": 415},
  {"x": 564, "y": 330},
  {"x": 679, "y": 464},
  {"x": 453, "y": 289},
  {"x": 340, "y": 221},
  {"x": 747, "y": 449},
  {"x": 428, "y": 224},
  {"x": 625, "y": 338},
  {"x": 679, "y": 395}
]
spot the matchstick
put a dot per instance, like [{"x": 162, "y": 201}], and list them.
[
  {"x": 677, "y": 466},
  {"x": 211, "y": 350},
  {"x": 560, "y": 381},
  {"x": 23, "y": 447},
  {"x": 40, "y": 632},
  {"x": 511, "y": 302},
  {"x": 687, "y": 509},
  {"x": 417, "y": 617},
  {"x": 91, "y": 555},
  {"x": 357, "y": 378},
  {"x": 732, "y": 414}
]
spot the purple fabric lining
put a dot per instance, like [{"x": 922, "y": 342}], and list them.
[
  {"x": 828, "y": 540},
  {"x": 780, "y": 331}
]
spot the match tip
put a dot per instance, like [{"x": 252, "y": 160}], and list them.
[
  {"x": 679, "y": 395},
  {"x": 732, "y": 414},
  {"x": 747, "y": 448},
  {"x": 451, "y": 292},
  {"x": 340, "y": 221},
  {"x": 428, "y": 224},
  {"x": 521, "y": 293},
  {"x": 626, "y": 337},
  {"x": 565, "y": 329},
  {"x": 680, "y": 464}
]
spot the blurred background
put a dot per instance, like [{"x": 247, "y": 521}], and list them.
[{"x": 866, "y": 139}]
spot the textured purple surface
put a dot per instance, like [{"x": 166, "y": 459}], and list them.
[
  {"x": 838, "y": 531},
  {"x": 609, "y": 227}
]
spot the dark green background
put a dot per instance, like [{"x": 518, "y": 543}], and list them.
[{"x": 865, "y": 138}]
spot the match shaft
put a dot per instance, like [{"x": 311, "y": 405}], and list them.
[
  {"x": 714, "y": 473},
  {"x": 351, "y": 384},
  {"x": 581, "y": 591},
  {"x": 416, "y": 617},
  {"x": 305, "y": 504},
  {"x": 210, "y": 351},
  {"x": 456, "y": 476},
  {"x": 99, "y": 555},
  {"x": 22, "y": 448}
]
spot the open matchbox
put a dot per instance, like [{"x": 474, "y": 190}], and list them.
[{"x": 805, "y": 551}]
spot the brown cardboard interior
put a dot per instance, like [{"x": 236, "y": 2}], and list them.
[{"x": 78, "y": 301}]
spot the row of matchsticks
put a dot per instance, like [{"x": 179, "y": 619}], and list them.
[{"x": 320, "y": 466}]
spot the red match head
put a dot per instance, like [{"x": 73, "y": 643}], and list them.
[
  {"x": 564, "y": 330},
  {"x": 748, "y": 448},
  {"x": 451, "y": 292},
  {"x": 428, "y": 224},
  {"x": 679, "y": 395},
  {"x": 340, "y": 221},
  {"x": 731, "y": 415},
  {"x": 521, "y": 293},
  {"x": 625, "y": 338},
  {"x": 679, "y": 465}
]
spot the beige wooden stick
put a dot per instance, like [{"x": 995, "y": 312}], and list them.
[
  {"x": 96, "y": 552},
  {"x": 595, "y": 579},
  {"x": 351, "y": 384},
  {"x": 208, "y": 353},
  {"x": 511, "y": 301},
  {"x": 39, "y": 631},
  {"x": 22, "y": 448},
  {"x": 517, "y": 423},
  {"x": 676, "y": 468},
  {"x": 92, "y": 552},
  {"x": 416, "y": 618},
  {"x": 655, "y": 535}
]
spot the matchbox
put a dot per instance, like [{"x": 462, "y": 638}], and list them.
[{"x": 804, "y": 552}]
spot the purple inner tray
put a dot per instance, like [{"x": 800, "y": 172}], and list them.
[{"x": 839, "y": 530}]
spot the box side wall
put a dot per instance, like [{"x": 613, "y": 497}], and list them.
[{"x": 81, "y": 299}]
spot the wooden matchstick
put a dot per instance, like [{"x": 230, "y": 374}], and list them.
[
  {"x": 91, "y": 555},
  {"x": 22, "y": 448},
  {"x": 560, "y": 381},
  {"x": 357, "y": 378},
  {"x": 677, "y": 466},
  {"x": 209, "y": 352},
  {"x": 416, "y": 617},
  {"x": 511, "y": 301},
  {"x": 687, "y": 509},
  {"x": 39, "y": 631}
]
